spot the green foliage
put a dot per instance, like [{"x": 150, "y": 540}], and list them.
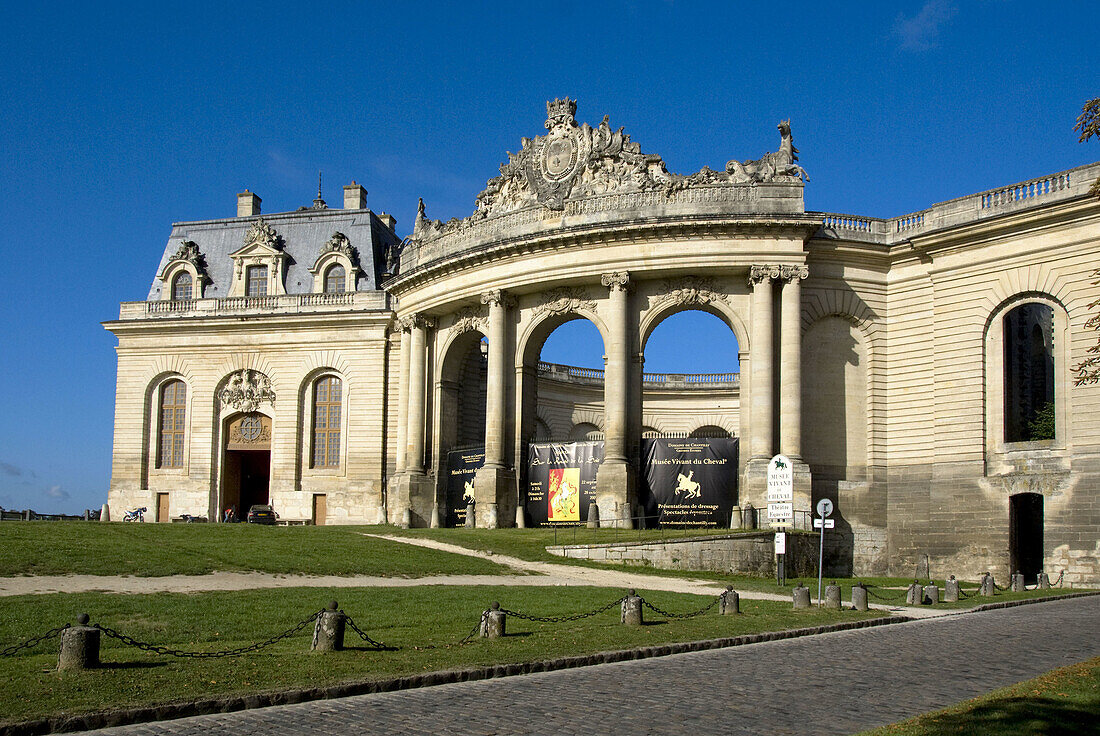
[
  {"x": 1088, "y": 370},
  {"x": 1063, "y": 701},
  {"x": 1041, "y": 426},
  {"x": 1088, "y": 125}
]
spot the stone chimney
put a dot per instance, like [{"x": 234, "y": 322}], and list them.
[
  {"x": 388, "y": 220},
  {"x": 248, "y": 204},
  {"x": 355, "y": 197}
]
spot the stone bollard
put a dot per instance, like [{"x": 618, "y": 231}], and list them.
[
  {"x": 521, "y": 518},
  {"x": 930, "y": 595},
  {"x": 632, "y": 609},
  {"x": 492, "y": 622},
  {"x": 729, "y": 602},
  {"x": 79, "y": 646},
  {"x": 859, "y": 597},
  {"x": 470, "y": 515},
  {"x": 951, "y": 590},
  {"x": 987, "y": 585},
  {"x": 1017, "y": 584},
  {"x": 593, "y": 516},
  {"x": 434, "y": 523},
  {"x": 801, "y": 596},
  {"x": 328, "y": 632},
  {"x": 913, "y": 594},
  {"x": 1044, "y": 581},
  {"x": 105, "y": 513},
  {"x": 832, "y": 596},
  {"x": 406, "y": 519},
  {"x": 748, "y": 517}
]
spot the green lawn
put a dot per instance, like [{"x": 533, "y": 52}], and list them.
[
  {"x": 424, "y": 623},
  {"x": 86, "y": 548},
  {"x": 1064, "y": 701}
]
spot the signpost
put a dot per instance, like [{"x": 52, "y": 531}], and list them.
[
  {"x": 780, "y": 508},
  {"x": 824, "y": 509}
]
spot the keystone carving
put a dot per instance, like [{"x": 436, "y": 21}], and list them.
[
  {"x": 690, "y": 290},
  {"x": 470, "y": 319},
  {"x": 564, "y": 300},
  {"x": 246, "y": 390}
]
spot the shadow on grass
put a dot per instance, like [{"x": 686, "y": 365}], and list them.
[
  {"x": 1019, "y": 717},
  {"x": 130, "y": 665}
]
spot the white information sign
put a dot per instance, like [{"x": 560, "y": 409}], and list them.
[
  {"x": 829, "y": 523},
  {"x": 780, "y": 480},
  {"x": 780, "y": 510},
  {"x": 781, "y": 543}
]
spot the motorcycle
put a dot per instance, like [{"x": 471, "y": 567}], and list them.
[{"x": 136, "y": 514}]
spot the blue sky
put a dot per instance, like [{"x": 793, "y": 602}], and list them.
[{"x": 119, "y": 119}]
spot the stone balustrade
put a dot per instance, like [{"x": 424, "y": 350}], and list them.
[
  {"x": 575, "y": 374},
  {"x": 281, "y": 304}
]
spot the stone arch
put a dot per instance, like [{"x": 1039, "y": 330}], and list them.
[
  {"x": 163, "y": 371},
  {"x": 715, "y": 421},
  {"x": 533, "y": 336},
  {"x": 584, "y": 431},
  {"x": 305, "y": 417},
  {"x": 584, "y": 416},
  {"x": 661, "y": 311},
  {"x": 460, "y": 385}
]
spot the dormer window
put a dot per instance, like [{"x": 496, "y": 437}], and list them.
[
  {"x": 334, "y": 279},
  {"x": 256, "y": 281},
  {"x": 337, "y": 266},
  {"x": 182, "y": 287}
]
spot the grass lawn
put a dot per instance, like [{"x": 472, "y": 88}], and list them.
[
  {"x": 1063, "y": 701},
  {"x": 424, "y": 623},
  {"x": 86, "y": 548}
]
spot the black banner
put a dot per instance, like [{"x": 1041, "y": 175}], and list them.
[
  {"x": 462, "y": 466},
  {"x": 689, "y": 482},
  {"x": 561, "y": 481}
]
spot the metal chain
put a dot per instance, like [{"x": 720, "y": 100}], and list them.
[
  {"x": 130, "y": 641},
  {"x": 362, "y": 634},
  {"x": 477, "y": 627},
  {"x": 33, "y": 642},
  {"x": 563, "y": 619},
  {"x": 666, "y": 614},
  {"x": 876, "y": 596}
]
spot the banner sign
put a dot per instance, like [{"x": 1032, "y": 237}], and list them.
[
  {"x": 462, "y": 466},
  {"x": 689, "y": 482},
  {"x": 561, "y": 481}
]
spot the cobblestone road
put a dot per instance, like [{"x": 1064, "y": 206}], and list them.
[{"x": 831, "y": 684}]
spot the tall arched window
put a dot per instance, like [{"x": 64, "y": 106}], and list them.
[
  {"x": 1029, "y": 373},
  {"x": 334, "y": 279},
  {"x": 327, "y": 395},
  {"x": 181, "y": 287},
  {"x": 173, "y": 423}
]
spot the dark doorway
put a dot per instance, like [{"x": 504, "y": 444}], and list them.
[
  {"x": 1025, "y": 535},
  {"x": 246, "y": 479}
]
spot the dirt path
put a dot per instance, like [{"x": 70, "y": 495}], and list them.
[{"x": 540, "y": 574}]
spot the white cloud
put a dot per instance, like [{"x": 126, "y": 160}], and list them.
[
  {"x": 919, "y": 32},
  {"x": 57, "y": 492}
]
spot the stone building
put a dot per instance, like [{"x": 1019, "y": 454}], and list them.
[{"x": 916, "y": 370}]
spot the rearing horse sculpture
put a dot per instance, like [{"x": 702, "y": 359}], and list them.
[{"x": 781, "y": 163}]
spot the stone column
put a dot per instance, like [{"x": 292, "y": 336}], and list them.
[
  {"x": 762, "y": 349},
  {"x": 614, "y": 481},
  {"x": 414, "y": 455},
  {"x": 494, "y": 481},
  {"x": 405, "y": 326},
  {"x": 790, "y": 362}
]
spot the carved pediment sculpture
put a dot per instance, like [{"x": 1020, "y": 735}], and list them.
[
  {"x": 260, "y": 233},
  {"x": 189, "y": 251},
  {"x": 576, "y": 160},
  {"x": 339, "y": 243},
  {"x": 246, "y": 389}
]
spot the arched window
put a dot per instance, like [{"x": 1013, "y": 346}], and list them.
[
  {"x": 334, "y": 279},
  {"x": 327, "y": 395},
  {"x": 1029, "y": 373},
  {"x": 173, "y": 423},
  {"x": 181, "y": 287}
]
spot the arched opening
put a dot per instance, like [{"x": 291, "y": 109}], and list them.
[
  {"x": 246, "y": 468},
  {"x": 334, "y": 279},
  {"x": 463, "y": 378},
  {"x": 1029, "y": 373},
  {"x": 690, "y": 383},
  {"x": 1025, "y": 535},
  {"x": 585, "y": 432},
  {"x": 182, "y": 289},
  {"x": 570, "y": 381}
]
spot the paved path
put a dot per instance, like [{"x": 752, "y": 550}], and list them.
[{"x": 832, "y": 684}]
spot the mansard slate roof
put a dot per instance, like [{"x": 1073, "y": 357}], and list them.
[{"x": 301, "y": 235}]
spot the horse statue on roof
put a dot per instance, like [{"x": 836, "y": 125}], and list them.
[{"x": 778, "y": 165}]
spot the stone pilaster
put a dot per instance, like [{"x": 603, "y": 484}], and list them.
[
  {"x": 615, "y": 479},
  {"x": 494, "y": 483},
  {"x": 761, "y": 406},
  {"x": 412, "y": 495},
  {"x": 790, "y": 381},
  {"x": 405, "y": 326}
]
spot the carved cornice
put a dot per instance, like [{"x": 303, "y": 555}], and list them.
[
  {"x": 470, "y": 319},
  {"x": 564, "y": 300},
  {"x": 260, "y": 233},
  {"x": 246, "y": 390},
  {"x": 616, "y": 280},
  {"x": 690, "y": 290}
]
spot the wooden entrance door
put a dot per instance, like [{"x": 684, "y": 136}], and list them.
[
  {"x": 320, "y": 504},
  {"x": 162, "y": 507}
]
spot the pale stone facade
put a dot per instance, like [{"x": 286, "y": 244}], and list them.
[{"x": 873, "y": 352}]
